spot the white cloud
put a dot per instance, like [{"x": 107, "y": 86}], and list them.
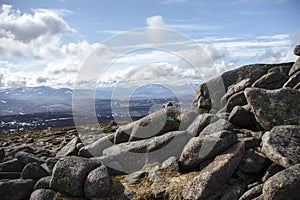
[
  {"x": 38, "y": 33},
  {"x": 277, "y": 55},
  {"x": 155, "y": 22}
]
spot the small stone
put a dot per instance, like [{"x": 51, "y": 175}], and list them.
[
  {"x": 171, "y": 163},
  {"x": 297, "y": 50},
  {"x": 136, "y": 177}
]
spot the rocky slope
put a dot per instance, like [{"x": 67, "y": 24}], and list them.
[{"x": 241, "y": 141}]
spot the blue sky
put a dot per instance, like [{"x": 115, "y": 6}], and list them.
[{"x": 46, "y": 42}]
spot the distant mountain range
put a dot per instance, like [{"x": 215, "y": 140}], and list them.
[{"x": 41, "y": 107}]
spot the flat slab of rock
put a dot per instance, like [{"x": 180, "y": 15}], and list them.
[
  {"x": 16, "y": 189},
  {"x": 274, "y": 107},
  {"x": 282, "y": 145},
  {"x": 215, "y": 175},
  {"x": 283, "y": 185},
  {"x": 69, "y": 175},
  {"x": 69, "y": 149}
]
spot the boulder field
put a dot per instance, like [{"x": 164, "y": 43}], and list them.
[{"x": 240, "y": 140}]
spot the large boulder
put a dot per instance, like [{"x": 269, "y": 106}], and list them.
[
  {"x": 132, "y": 156},
  {"x": 33, "y": 171},
  {"x": 215, "y": 175},
  {"x": 96, "y": 148},
  {"x": 199, "y": 149},
  {"x": 217, "y": 126},
  {"x": 273, "y": 80},
  {"x": 200, "y": 122},
  {"x": 283, "y": 185},
  {"x": 155, "y": 124},
  {"x": 253, "y": 162},
  {"x": 26, "y": 157},
  {"x": 69, "y": 175},
  {"x": 274, "y": 107},
  {"x": 97, "y": 183},
  {"x": 282, "y": 145},
  {"x": 16, "y": 189}
]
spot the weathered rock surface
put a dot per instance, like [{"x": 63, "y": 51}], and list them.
[
  {"x": 274, "y": 107},
  {"x": 26, "y": 158},
  {"x": 69, "y": 149},
  {"x": 199, "y": 149},
  {"x": 215, "y": 175},
  {"x": 43, "y": 194},
  {"x": 253, "y": 162},
  {"x": 69, "y": 175},
  {"x": 97, "y": 183},
  {"x": 295, "y": 67},
  {"x": 273, "y": 80},
  {"x": 282, "y": 145},
  {"x": 11, "y": 166},
  {"x": 217, "y": 126},
  {"x": 16, "y": 189},
  {"x": 33, "y": 171},
  {"x": 252, "y": 193},
  {"x": 283, "y": 185}
]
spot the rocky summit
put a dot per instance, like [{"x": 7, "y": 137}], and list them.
[{"x": 240, "y": 141}]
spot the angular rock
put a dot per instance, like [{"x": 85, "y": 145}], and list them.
[
  {"x": 293, "y": 80},
  {"x": 50, "y": 162},
  {"x": 200, "y": 122},
  {"x": 43, "y": 194},
  {"x": 273, "y": 80},
  {"x": 16, "y": 189},
  {"x": 43, "y": 183},
  {"x": 283, "y": 185},
  {"x": 199, "y": 149},
  {"x": 69, "y": 149},
  {"x": 282, "y": 145},
  {"x": 171, "y": 163},
  {"x": 33, "y": 171},
  {"x": 69, "y": 175},
  {"x": 274, "y": 107},
  {"x": 11, "y": 166},
  {"x": 215, "y": 175},
  {"x": 295, "y": 67},
  {"x": 26, "y": 158},
  {"x": 281, "y": 69},
  {"x": 217, "y": 126},
  {"x": 237, "y": 99},
  {"x": 242, "y": 118},
  {"x": 253, "y": 162},
  {"x": 273, "y": 169},
  {"x": 97, "y": 183},
  {"x": 252, "y": 193},
  {"x": 235, "y": 88},
  {"x": 136, "y": 177},
  {"x": 97, "y": 147}
]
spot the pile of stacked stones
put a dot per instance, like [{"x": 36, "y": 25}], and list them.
[{"x": 240, "y": 141}]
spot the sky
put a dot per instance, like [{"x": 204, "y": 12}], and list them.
[{"x": 49, "y": 42}]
